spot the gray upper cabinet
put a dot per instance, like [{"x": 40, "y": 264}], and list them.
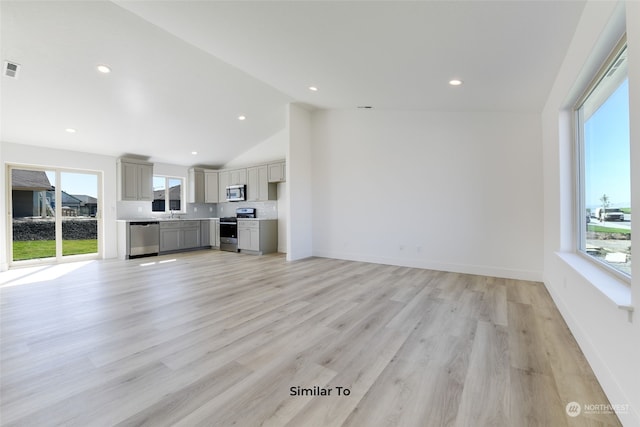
[
  {"x": 258, "y": 187},
  {"x": 196, "y": 185},
  {"x": 211, "y": 186},
  {"x": 260, "y": 180},
  {"x": 203, "y": 186},
  {"x": 237, "y": 176},
  {"x": 135, "y": 180},
  {"x": 223, "y": 182},
  {"x": 277, "y": 172}
]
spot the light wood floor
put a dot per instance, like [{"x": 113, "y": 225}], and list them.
[{"x": 219, "y": 339}]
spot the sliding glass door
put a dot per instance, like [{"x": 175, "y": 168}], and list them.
[
  {"x": 79, "y": 196},
  {"x": 33, "y": 214},
  {"x": 55, "y": 213}
]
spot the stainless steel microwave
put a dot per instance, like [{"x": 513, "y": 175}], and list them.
[{"x": 236, "y": 193}]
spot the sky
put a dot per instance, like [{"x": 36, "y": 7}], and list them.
[
  {"x": 76, "y": 183},
  {"x": 607, "y": 155}
]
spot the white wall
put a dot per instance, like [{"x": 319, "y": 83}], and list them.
[
  {"x": 273, "y": 148},
  {"x": 40, "y": 156},
  {"x": 299, "y": 199},
  {"x": 449, "y": 191},
  {"x": 283, "y": 215},
  {"x": 608, "y": 339}
]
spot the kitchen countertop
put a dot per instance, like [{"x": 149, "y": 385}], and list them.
[
  {"x": 164, "y": 219},
  {"x": 188, "y": 219}
]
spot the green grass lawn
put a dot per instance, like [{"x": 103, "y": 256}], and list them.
[
  {"x": 601, "y": 229},
  {"x": 33, "y": 249}
]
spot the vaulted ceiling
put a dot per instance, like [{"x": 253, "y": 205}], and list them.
[{"x": 182, "y": 72}]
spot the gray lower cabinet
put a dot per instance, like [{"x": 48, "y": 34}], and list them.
[
  {"x": 179, "y": 235},
  {"x": 214, "y": 233},
  {"x": 205, "y": 239},
  {"x": 170, "y": 237},
  {"x": 258, "y": 236},
  {"x": 191, "y": 234}
]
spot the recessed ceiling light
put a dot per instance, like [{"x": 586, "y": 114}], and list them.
[
  {"x": 70, "y": 130},
  {"x": 313, "y": 88},
  {"x": 194, "y": 152},
  {"x": 455, "y": 82},
  {"x": 241, "y": 117},
  {"x": 103, "y": 69}
]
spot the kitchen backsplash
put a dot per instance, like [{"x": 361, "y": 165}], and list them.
[
  {"x": 132, "y": 210},
  {"x": 202, "y": 210},
  {"x": 265, "y": 210},
  {"x": 128, "y": 210}
]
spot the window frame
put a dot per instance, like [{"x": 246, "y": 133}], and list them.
[
  {"x": 580, "y": 228},
  {"x": 167, "y": 203}
]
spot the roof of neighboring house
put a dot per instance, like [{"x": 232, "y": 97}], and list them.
[
  {"x": 69, "y": 199},
  {"x": 28, "y": 180},
  {"x": 86, "y": 199},
  {"x": 174, "y": 193}
]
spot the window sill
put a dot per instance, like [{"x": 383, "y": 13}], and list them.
[{"x": 613, "y": 288}]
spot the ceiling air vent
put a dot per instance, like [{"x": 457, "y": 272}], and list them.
[{"x": 11, "y": 69}]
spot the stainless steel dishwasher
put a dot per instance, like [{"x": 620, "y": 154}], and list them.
[{"x": 144, "y": 238}]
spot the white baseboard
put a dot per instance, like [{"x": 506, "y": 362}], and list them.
[
  {"x": 612, "y": 389},
  {"x": 506, "y": 273}
]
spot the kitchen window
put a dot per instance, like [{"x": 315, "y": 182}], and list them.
[
  {"x": 168, "y": 194},
  {"x": 604, "y": 167}
]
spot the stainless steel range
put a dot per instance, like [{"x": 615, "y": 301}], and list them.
[{"x": 229, "y": 229}]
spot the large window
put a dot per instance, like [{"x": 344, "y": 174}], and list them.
[
  {"x": 604, "y": 196},
  {"x": 168, "y": 194}
]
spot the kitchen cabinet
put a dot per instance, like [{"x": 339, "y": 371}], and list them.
[
  {"x": 258, "y": 236},
  {"x": 170, "y": 236},
  {"x": 196, "y": 185},
  {"x": 258, "y": 187},
  {"x": 227, "y": 178},
  {"x": 210, "y": 186},
  {"x": 191, "y": 235},
  {"x": 277, "y": 172},
  {"x": 179, "y": 235},
  {"x": 249, "y": 235},
  {"x": 203, "y": 186},
  {"x": 214, "y": 233},
  {"x": 135, "y": 180},
  {"x": 205, "y": 233},
  {"x": 238, "y": 176},
  {"x": 223, "y": 183}
]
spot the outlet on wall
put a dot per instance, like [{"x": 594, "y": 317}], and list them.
[{"x": 195, "y": 209}]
